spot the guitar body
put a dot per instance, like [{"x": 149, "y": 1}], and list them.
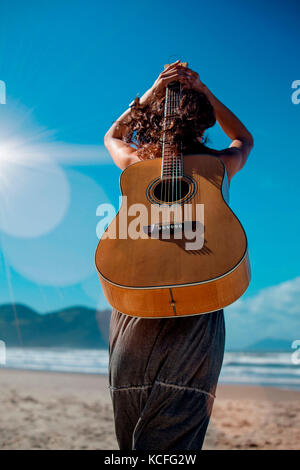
[{"x": 154, "y": 277}]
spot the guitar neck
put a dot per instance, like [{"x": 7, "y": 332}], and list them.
[{"x": 172, "y": 160}]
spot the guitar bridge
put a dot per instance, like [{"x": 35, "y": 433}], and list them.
[{"x": 164, "y": 231}]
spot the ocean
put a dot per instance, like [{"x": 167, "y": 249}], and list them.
[{"x": 248, "y": 368}]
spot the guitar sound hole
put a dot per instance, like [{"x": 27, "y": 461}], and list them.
[{"x": 171, "y": 190}]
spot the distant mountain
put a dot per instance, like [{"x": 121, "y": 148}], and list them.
[
  {"x": 77, "y": 327},
  {"x": 270, "y": 345},
  {"x": 74, "y": 327}
]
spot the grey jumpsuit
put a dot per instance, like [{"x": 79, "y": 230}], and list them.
[{"x": 163, "y": 375}]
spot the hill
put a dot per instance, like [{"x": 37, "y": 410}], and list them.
[
  {"x": 270, "y": 345},
  {"x": 74, "y": 327}
]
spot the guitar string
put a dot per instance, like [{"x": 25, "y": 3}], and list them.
[
  {"x": 162, "y": 161},
  {"x": 170, "y": 143},
  {"x": 168, "y": 146},
  {"x": 170, "y": 156},
  {"x": 177, "y": 156},
  {"x": 176, "y": 179},
  {"x": 176, "y": 176},
  {"x": 172, "y": 164},
  {"x": 164, "y": 148},
  {"x": 170, "y": 149},
  {"x": 173, "y": 156},
  {"x": 168, "y": 162},
  {"x": 173, "y": 153},
  {"x": 181, "y": 163}
]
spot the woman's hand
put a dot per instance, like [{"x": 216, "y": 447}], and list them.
[
  {"x": 192, "y": 80},
  {"x": 173, "y": 73},
  {"x": 177, "y": 73}
]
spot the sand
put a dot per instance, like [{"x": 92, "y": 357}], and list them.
[{"x": 49, "y": 410}]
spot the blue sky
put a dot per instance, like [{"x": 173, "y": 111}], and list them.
[{"x": 71, "y": 68}]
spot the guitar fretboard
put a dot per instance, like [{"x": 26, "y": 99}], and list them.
[{"x": 172, "y": 162}]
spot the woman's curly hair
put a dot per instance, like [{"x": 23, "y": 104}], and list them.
[{"x": 185, "y": 131}]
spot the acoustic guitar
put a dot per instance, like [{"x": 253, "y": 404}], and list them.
[{"x": 175, "y": 248}]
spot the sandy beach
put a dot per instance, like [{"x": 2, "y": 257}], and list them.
[{"x": 49, "y": 410}]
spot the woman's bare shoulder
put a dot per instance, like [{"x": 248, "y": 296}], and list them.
[{"x": 231, "y": 157}]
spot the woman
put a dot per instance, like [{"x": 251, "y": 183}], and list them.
[{"x": 163, "y": 372}]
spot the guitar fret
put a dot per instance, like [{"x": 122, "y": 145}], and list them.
[{"x": 172, "y": 164}]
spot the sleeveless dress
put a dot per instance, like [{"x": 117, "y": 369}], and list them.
[{"x": 163, "y": 375}]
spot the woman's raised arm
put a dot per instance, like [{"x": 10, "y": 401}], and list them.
[
  {"x": 236, "y": 155},
  {"x": 121, "y": 152}
]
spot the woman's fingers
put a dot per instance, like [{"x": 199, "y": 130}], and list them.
[
  {"x": 172, "y": 72},
  {"x": 174, "y": 75},
  {"x": 172, "y": 65},
  {"x": 175, "y": 72},
  {"x": 172, "y": 78},
  {"x": 165, "y": 73},
  {"x": 177, "y": 65}
]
